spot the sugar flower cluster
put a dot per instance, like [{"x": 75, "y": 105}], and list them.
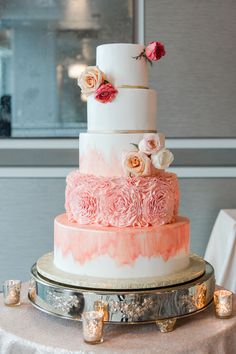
[
  {"x": 149, "y": 153},
  {"x": 93, "y": 81},
  {"x": 122, "y": 201}
]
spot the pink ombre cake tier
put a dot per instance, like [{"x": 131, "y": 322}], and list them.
[
  {"x": 100, "y": 154},
  {"x": 113, "y": 252},
  {"x": 122, "y": 201}
]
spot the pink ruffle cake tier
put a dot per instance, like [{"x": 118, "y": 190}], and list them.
[
  {"x": 112, "y": 252},
  {"x": 122, "y": 201}
]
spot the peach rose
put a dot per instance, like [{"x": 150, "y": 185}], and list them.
[
  {"x": 150, "y": 144},
  {"x": 162, "y": 159},
  {"x": 90, "y": 79},
  {"x": 136, "y": 163}
]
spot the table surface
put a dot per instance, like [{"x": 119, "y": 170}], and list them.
[{"x": 26, "y": 330}]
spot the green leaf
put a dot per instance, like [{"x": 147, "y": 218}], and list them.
[{"x": 135, "y": 145}]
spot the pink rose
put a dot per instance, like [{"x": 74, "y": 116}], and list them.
[
  {"x": 150, "y": 144},
  {"x": 120, "y": 205},
  {"x": 105, "y": 93},
  {"x": 101, "y": 184},
  {"x": 136, "y": 163},
  {"x": 154, "y": 51},
  {"x": 83, "y": 205},
  {"x": 159, "y": 204}
]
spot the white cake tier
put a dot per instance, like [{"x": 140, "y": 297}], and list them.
[
  {"x": 101, "y": 154},
  {"x": 132, "y": 109},
  {"x": 119, "y": 65},
  {"x": 119, "y": 253}
]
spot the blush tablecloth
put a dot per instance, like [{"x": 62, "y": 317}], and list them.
[
  {"x": 221, "y": 249},
  {"x": 26, "y": 330}
]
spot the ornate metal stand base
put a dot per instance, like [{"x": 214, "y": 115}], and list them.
[
  {"x": 166, "y": 325},
  {"x": 161, "y": 305}
]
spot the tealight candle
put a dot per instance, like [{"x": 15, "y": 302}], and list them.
[
  {"x": 93, "y": 327},
  {"x": 223, "y": 301},
  {"x": 11, "y": 292}
]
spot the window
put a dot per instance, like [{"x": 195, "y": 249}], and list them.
[{"x": 44, "y": 45}]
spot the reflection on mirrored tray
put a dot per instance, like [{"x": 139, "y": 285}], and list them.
[{"x": 44, "y": 45}]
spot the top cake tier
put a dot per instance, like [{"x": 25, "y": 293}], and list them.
[{"x": 117, "y": 61}]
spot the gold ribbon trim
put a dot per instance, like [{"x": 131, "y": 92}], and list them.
[
  {"x": 120, "y": 131},
  {"x": 130, "y": 86}
]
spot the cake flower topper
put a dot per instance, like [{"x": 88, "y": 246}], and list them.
[
  {"x": 93, "y": 81},
  {"x": 150, "y": 152},
  {"x": 154, "y": 51}
]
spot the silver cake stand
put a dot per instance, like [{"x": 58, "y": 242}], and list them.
[{"x": 159, "y": 300}]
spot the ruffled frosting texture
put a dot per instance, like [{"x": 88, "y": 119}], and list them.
[{"x": 122, "y": 201}]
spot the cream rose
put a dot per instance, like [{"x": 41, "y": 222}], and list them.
[
  {"x": 90, "y": 79},
  {"x": 150, "y": 144},
  {"x": 136, "y": 163},
  {"x": 162, "y": 159}
]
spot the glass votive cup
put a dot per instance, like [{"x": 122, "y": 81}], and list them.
[
  {"x": 11, "y": 292},
  {"x": 93, "y": 327},
  {"x": 102, "y": 306},
  {"x": 223, "y": 301}
]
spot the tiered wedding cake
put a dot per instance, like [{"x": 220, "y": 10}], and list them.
[{"x": 121, "y": 218}]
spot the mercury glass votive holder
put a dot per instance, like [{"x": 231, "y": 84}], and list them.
[
  {"x": 93, "y": 327},
  {"x": 102, "y": 306},
  {"x": 11, "y": 292},
  {"x": 223, "y": 301}
]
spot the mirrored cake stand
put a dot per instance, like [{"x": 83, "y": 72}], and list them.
[{"x": 160, "y": 300}]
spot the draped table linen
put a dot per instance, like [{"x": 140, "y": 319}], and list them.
[{"x": 221, "y": 249}]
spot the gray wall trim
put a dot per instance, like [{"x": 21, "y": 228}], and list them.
[
  {"x": 35, "y": 172},
  {"x": 71, "y": 143},
  {"x": 61, "y": 172},
  {"x": 70, "y": 157},
  {"x": 39, "y": 143},
  {"x": 39, "y": 157},
  {"x": 203, "y": 157},
  {"x": 201, "y": 143},
  {"x": 65, "y": 152}
]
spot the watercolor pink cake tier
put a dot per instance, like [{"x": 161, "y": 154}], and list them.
[
  {"x": 114, "y": 252},
  {"x": 121, "y": 218}
]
